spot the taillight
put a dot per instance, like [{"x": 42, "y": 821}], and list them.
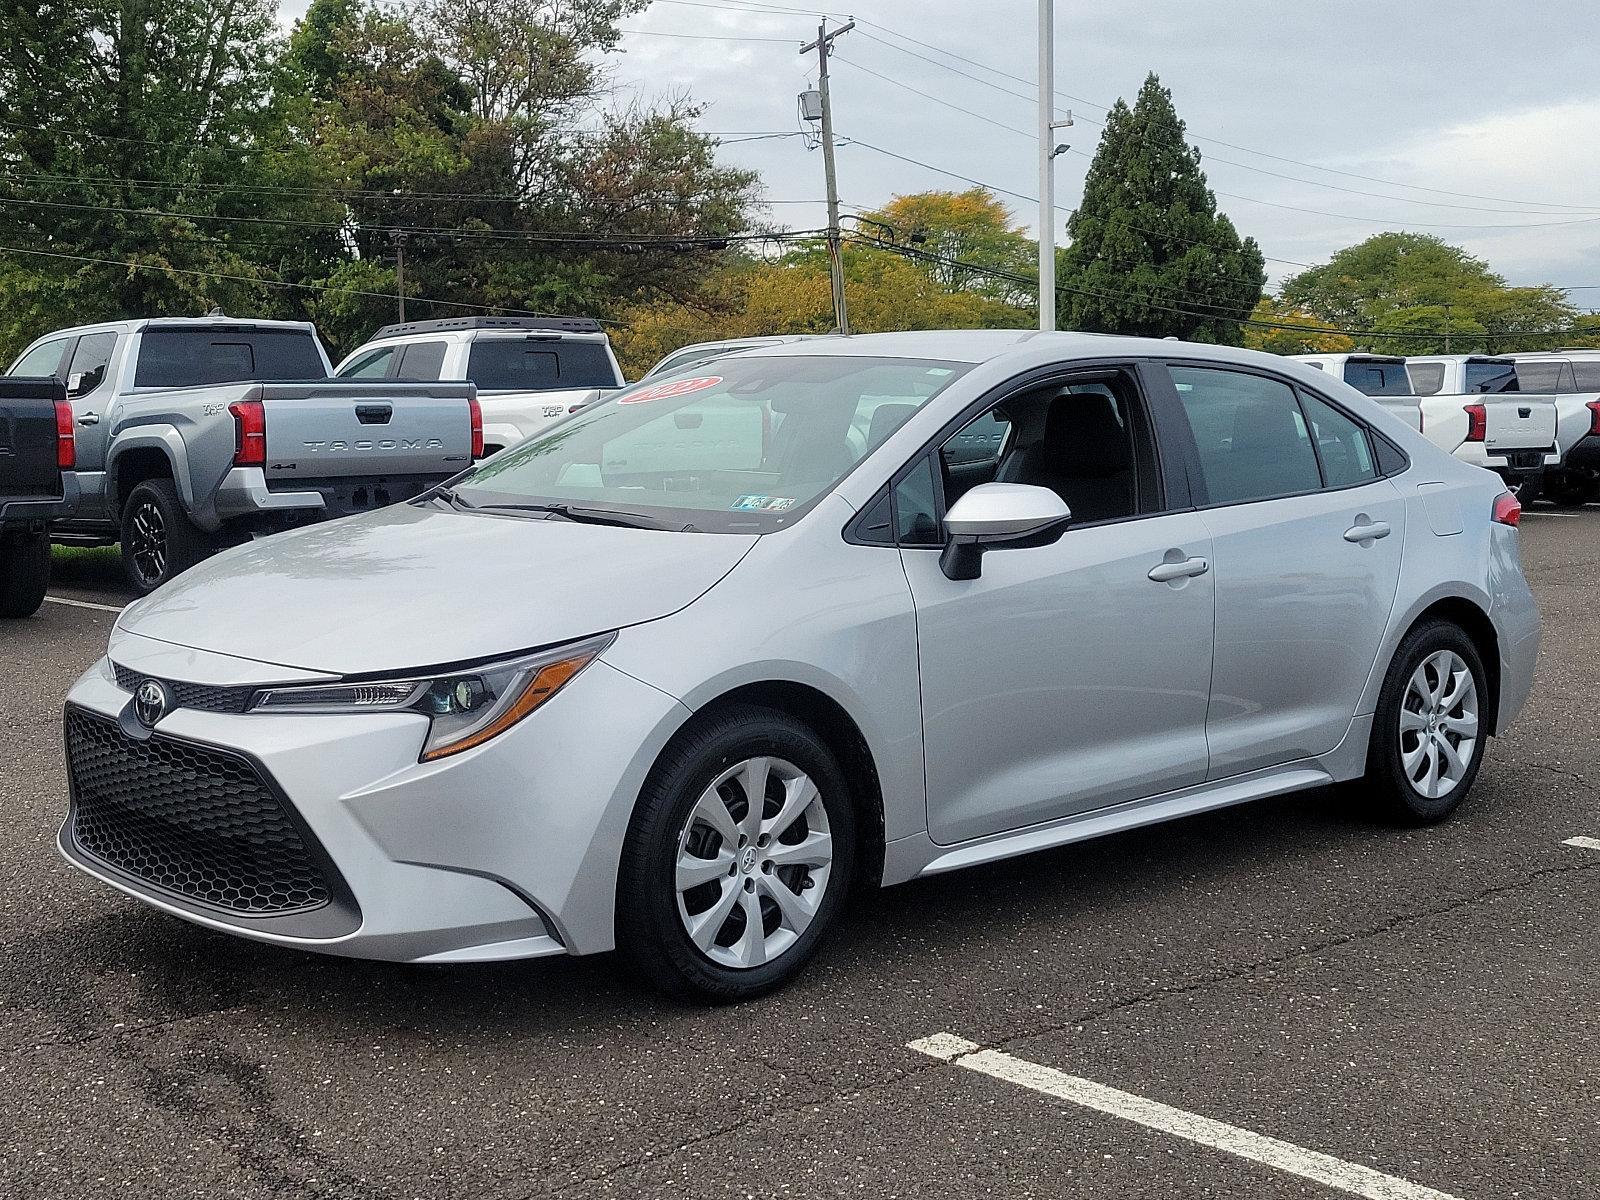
[
  {"x": 1477, "y": 423},
  {"x": 249, "y": 433},
  {"x": 1507, "y": 510},
  {"x": 66, "y": 446},
  {"x": 477, "y": 427},
  {"x": 1594, "y": 417}
]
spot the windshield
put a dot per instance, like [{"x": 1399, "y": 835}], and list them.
[
  {"x": 746, "y": 449},
  {"x": 1489, "y": 376}
]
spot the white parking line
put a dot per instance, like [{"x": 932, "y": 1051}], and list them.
[
  {"x": 1583, "y": 843},
  {"x": 111, "y": 608},
  {"x": 1283, "y": 1156}
]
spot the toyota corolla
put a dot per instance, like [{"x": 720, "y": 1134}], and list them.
[{"x": 678, "y": 674}]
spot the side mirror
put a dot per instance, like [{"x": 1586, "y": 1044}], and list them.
[{"x": 999, "y": 514}]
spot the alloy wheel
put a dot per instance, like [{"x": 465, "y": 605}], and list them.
[
  {"x": 754, "y": 860},
  {"x": 149, "y": 541},
  {"x": 1438, "y": 724}
]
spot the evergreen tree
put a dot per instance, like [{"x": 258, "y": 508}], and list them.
[{"x": 1149, "y": 252}]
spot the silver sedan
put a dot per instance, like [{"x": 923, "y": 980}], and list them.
[{"x": 677, "y": 674}]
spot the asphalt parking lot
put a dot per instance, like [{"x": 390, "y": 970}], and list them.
[{"x": 1348, "y": 1006}]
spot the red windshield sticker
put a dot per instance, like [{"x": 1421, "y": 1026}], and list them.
[{"x": 678, "y": 387}]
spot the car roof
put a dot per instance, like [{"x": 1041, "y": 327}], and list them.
[
  {"x": 133, "y": 326},
  {"x": 986, "y": 345}
]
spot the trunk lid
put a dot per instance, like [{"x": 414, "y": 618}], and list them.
[{"x": 334, "y": 429}]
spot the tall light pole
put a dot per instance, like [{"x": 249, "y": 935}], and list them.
[
  {"x": 823, "y": 45},
  {"x": 1047, "y": 159}
]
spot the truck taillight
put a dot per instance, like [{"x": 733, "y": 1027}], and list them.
[
  {"x": 249, "y": 433},
  {"x": 1594, "y": 417},
  {"x": 66, "y": 446},
  {"x": 1477, "y": 423},
  {"x": 477, "y": 427},
  {"x": 1507, "y": 510}
]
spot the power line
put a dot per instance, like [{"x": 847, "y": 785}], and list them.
[{"x": 936, "y": 99}]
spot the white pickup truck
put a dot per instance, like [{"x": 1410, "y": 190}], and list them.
[
  {"x": 1461, "y": 403},
  {"x": 1573, "y": 377},
  {"x": 529, "y": 371},
  {"x": 194, "y": 432}
]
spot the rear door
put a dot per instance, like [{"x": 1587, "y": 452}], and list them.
[{"x": 1306, "y": 538}]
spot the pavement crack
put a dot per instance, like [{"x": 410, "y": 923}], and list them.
[
  {"x": 1577, "y": 777},
  {"x": 1246, "y": 970},
  {"x": 116, "y": 1031}
]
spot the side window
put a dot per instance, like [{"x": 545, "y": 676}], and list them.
[
  {"x": 422, "y": 361},
  {"x": 971, "y": 455},
  {"x": 372, "y": 365},
  {"x": 1586, "y": 374},
  {"x": 1342, "y": 445},
  {"x": 1250, "y": 433},
  {"x": 90, "y": 361},
  {"x": 1426, "y": 378},
  {"x": 42, "y": 360}
]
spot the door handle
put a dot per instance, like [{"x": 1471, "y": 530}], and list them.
[
  {"x": 89, "y": 418},
  {"x": 1370, "y": 531},
  {"x": 1168, "y": 571}
]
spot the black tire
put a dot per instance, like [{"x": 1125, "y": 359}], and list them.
[
  {"x": 1569, "y": 490},
  {"x": 1387, "y": 782},
  {"x": 24, "y": 572},
  {"x": 650, "y": 931},
  {"x": 159, "y": 541}
]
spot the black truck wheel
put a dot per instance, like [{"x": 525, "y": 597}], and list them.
[
  {"x": 159, "y": 541},
  {"x": 24, "y": 572}
]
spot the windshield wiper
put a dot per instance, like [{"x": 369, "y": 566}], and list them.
[{"x": 580, "y": 513}]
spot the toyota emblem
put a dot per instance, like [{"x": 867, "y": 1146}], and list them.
[{"x": 150, "y": 702}]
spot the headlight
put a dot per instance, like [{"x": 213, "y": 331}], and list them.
[{"x": 464, "y": 708}]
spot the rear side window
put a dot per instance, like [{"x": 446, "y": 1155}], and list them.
[
  {"x": 1426, "y": 378},
  {"x": 1586, "y": 374},
  {"x": 42, "y": 360},
  {"x": 197, "y": 357},
  {"x": 539, "y": 365},
  {"x": 422, "y": 361},
  {"x": 1378, "y": 379},
  {"x": 1491, "y": 377},
  {"x": 374, "y": 364},
  {"x": 1342, "y": 445},
  {"x": 1250, "y": 433},
  {"x": 90, "y": 361}
]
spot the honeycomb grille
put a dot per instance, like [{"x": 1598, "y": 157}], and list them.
[
  {"x": 202, "y": 696},
  {"x": 187, "y": 819}
]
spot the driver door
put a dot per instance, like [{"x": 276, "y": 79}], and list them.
[{"x": 1063, "y": 679}]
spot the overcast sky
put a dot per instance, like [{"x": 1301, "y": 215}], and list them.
[{"x": 1495, "y": 106}]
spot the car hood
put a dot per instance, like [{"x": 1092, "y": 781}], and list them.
[{"x": 413, "y": 586}]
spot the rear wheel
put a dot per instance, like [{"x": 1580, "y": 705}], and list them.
[
  {"x": 159, "y": 541},
  {"x": 1429, "y": 731},
  {"x": 24, "y": 572},
  {"x": 738, "y": 857}
]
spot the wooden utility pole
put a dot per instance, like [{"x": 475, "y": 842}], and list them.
[
  {"x": 823, "y": 45},
  {"x": 400, "y": 272}
]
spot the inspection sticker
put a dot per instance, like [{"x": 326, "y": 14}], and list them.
[
  {"x": 664, "y": 391},
  {"x": 762, "y": 503}
]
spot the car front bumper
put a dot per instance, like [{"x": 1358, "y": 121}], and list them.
[{"x": 509, "y": 850}]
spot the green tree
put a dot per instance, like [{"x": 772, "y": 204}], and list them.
[
  {"x": 1284, "y": 329},
  {"x": 962, "y": 227},
  {"x": 1149, "y": 252},
  {"x": 1421, "y": 286}
]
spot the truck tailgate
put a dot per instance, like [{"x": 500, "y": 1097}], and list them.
[
  {"x": 340, "y": 428},
  {"x": 28, "y": 437},
  {"x": 1515, "y": 421}
]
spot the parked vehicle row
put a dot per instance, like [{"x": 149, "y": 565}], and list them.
[
  {"x": 1521, "y": 416},
  {"x": 834, "y": 613},
  {"x": 37, "y": 486}
]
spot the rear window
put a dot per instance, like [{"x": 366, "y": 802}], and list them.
[
  {"x": 197, "y": 357},
  {"x": 1378, "y": 378},
  {"x": 1491, "y": 377},
  {"x": 539, "y": 365}
]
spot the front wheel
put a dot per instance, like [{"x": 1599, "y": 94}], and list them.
[
  {"x": 159, "y": 541},
  {"x": 738, "y": 857},
  {"x": 1429, "y": 730}
]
